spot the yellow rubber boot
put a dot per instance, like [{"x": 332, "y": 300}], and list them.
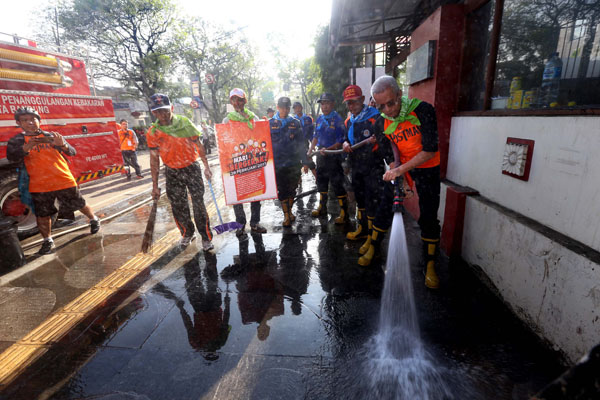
[
  {"x": 431, "y": 254},
  {"x": 285, "y": 206},
  {"x": 373, "y": 251},
  {"x": 363, "y": 249},
  {"x": 321, "y": 211},
  {"x": 361, "y": 228},
  {"x": 343, "y": 217},
  {"x": 290, "y": 202}
]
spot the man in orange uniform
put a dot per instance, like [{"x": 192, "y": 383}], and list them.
[
  {"x": 129, "y": 142},
  {"x": 411, "y": 126},
  {"x": 176, "y": 141},
  {"x": 50, "y": 178}
]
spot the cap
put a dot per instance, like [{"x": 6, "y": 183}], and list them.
[
  {"x": 326, "y": 97},
  {"x": 270, "y": 110},
  {"x": 284, "y": 102},
  {"x": 352, "y": 92},
  {"x": 159, "y": 101},
  {"x": 27, "y": 111},
  {"x": 296, "y": 104},
  {"x": 237, "y": 92}
]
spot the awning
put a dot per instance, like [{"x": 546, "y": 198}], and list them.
[{"x": 357, "y": 22}]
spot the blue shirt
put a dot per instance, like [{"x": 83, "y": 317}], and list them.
[
  {"x": 329, "y": 130},
  {"x": 308, "y": 129},
  {"x": 288, "y": 141}
]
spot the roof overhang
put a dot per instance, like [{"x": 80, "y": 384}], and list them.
[{"x": 359, "y": 22}]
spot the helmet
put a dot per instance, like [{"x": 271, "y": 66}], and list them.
[{"x": 27, "y": 111}]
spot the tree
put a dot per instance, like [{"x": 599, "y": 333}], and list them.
[
  {"x": 128, "y": 39},
  {"x": 306, "y": 75},
  {"x": 334, "y": 65},
  {"x": 226, "y": 55}
]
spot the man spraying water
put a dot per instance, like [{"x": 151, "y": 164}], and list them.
[{"x": 411, "y": 126}]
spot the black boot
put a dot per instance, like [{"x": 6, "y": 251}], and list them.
[
  {"x": 361, "y": 226},
  {"x": 343, "y": 217},
  {"x": 376, "y": 239},
  {"x": 321, "y": 211}
]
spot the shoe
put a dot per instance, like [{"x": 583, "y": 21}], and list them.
[
  {"x": 240, "y": 231},
  {"x": 94, "y": 226},
  {"x": 207, "y": 245},
  {"x": 258, "y": 229},
  {"x": 48, "y": 247},
  {"x": 139, "y": 177},
  {"x": 186, "y": 240}
]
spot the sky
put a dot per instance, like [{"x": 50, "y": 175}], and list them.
[{"x": 292, "y": 23}]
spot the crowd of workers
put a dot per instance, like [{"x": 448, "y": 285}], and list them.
[{"x": 397, "y": 139}]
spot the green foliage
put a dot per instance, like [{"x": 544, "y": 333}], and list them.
[
  {"x": 128, "y": 40},
  {"x": 334, "y": 67},
  {"x": 306, "y": 76},
  {"x": 226, "y": 55}
]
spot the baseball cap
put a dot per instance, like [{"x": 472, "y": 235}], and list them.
[
  {"x": 326, "y": 97},
  {"x": 237, "y": 92},
  {"x": 296, "y": 104},
  {"x": 352, "y": 92},
  {"x": 159, "y": 101},
  {"x": 284, "y": 102},
  {"x": 270, "y": 110}
]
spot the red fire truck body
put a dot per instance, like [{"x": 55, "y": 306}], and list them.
[{"x": 56, "y": 86}]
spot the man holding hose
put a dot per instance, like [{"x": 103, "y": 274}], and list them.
[
  {"x": 411, "y": 127},
  {"x": 366, "y": 164},
  {"x": 329, "y": 135}
]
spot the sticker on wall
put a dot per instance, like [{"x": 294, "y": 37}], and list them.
[{"x": 516, "y": 161}]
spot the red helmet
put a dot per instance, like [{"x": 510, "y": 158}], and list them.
[{"x": 27, "y": 111}]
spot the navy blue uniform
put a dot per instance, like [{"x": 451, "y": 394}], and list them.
[
  {"x": 288, "y": 152},
  {"x": 329, "y": 131},
  {"x": 308, "y": 130},
  {"x": 366, "y": 162}
]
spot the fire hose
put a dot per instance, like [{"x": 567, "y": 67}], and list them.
[{"x": 340, "y": 151}]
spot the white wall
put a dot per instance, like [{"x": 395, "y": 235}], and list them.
[
  {"x": 563, "y": 191},
  {"x": 363, "y": 79},
  {"x": 556, "y": 291}
]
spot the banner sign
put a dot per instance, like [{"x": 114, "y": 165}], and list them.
[
  {"x": 54, "y": 106},
  {"x": 247, "y": 165}
]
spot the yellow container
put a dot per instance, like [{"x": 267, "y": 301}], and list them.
[
  {"x": 516, "y": 98},
  {"x": 516, "y": 84},
  {"x": 528, "y": 99}
]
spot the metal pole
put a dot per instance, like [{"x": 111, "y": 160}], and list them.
[
  {"x": 491, "y": 66},
  {"x": 57, "y": 32},
  {"x": 87, "y": 61}
]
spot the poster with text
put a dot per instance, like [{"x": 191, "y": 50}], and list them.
[{"x": 247, "y": 164}]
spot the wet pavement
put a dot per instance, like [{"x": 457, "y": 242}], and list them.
[{"x": 284, "y": 315}]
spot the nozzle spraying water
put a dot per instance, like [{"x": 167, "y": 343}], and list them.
[{"x": 399, "y": 194}]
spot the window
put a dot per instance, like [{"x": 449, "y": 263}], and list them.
[{"x": 548, "y": 56}]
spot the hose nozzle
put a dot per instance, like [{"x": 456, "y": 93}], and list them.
[{"x": 399, "y": 194}]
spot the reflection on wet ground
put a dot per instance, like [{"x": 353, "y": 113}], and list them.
[{"x": 287, "y": 314}]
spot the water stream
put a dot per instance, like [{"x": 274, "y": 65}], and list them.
[{"x": 398, "y": 366}]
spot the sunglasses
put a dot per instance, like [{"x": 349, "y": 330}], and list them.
[{"x": 389, "y": 104}]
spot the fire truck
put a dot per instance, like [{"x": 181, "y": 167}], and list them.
[{"x": 56, "y": 85}]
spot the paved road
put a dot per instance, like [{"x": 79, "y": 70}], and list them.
[{"x": 288, "y": 314}]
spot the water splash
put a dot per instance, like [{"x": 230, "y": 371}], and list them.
[{"x": 398, "y": 367}]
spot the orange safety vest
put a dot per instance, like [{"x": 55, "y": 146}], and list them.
[
  {"x": 407, "y": 138},
  {"x": 127, "y": 142},
  {"x": 48, "y": 169}
]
